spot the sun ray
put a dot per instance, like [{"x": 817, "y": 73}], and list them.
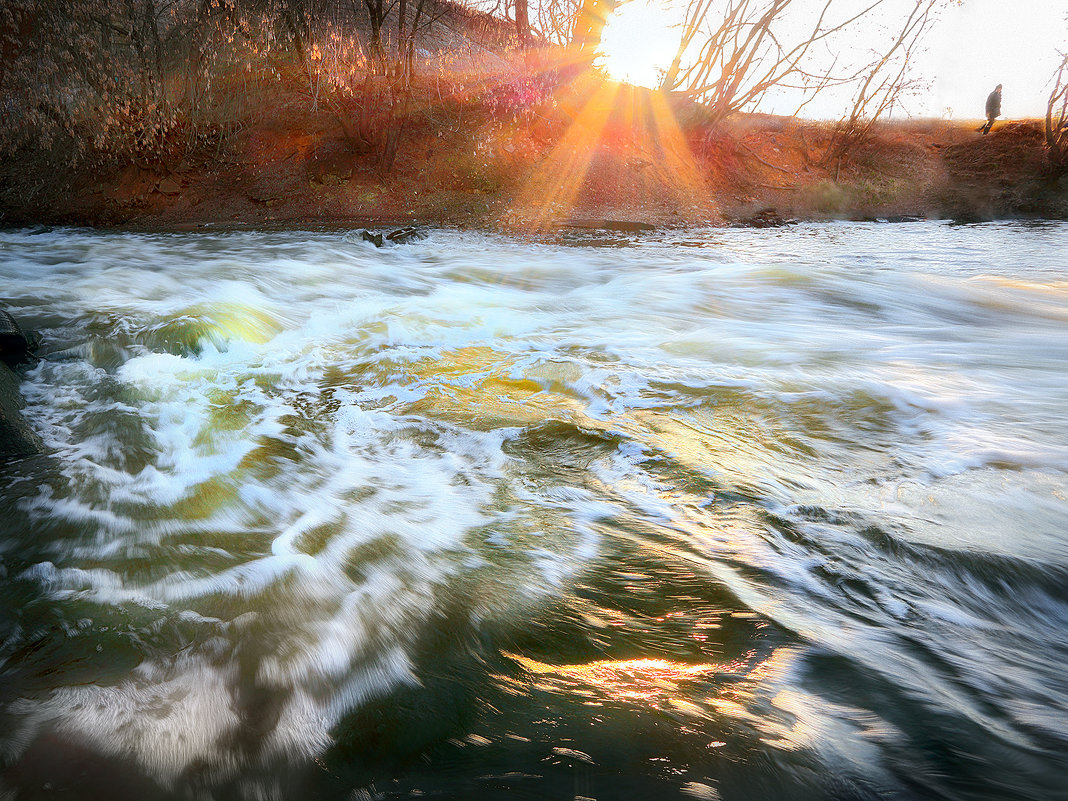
[
  {"x": 556, "y": 182},
  {"x": 682, "y": 169}
]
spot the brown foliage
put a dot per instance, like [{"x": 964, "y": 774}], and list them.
[{"x": 149, "y": 81}]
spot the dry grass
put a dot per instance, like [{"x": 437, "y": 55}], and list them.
[{"x": 474, "y": 153}]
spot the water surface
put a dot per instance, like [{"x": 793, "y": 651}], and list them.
[{"x": 706, "y": 514}]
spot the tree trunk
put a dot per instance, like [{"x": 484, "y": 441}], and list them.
[
  {"x": 522, "y": 23},
  {"x": 589, "y": 25}
]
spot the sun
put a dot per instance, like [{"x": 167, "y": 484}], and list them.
[{"x": 638, "y": 42}]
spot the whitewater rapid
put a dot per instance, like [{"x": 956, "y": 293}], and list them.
[{"x": 796, "y": 492}]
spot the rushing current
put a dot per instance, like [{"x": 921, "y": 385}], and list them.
[{"x": 715, "y": 514}]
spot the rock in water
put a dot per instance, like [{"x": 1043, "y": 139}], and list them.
[
  {"x": 766, "y": 218},
  {"x": 402, "y": 236},
  {"x": 374, "y": 239},
  {"x": 16, "y": 347},
  {"x": 16, "y": 437}
]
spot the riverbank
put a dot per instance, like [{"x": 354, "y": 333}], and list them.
[{"x": 521, "y": 156}]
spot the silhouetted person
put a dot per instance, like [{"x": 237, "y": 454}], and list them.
[{"x": 993, "y": 109}]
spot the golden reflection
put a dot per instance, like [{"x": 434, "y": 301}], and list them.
[
  {"x": 653, "y": 683},
  {"x": 726, "y": 690},
  {"x": 481, "y": 383},
  {"x": 1047, "y": 299},
  {"x": 1056, "y": 288},
  {"x": 732, "y": 439}
]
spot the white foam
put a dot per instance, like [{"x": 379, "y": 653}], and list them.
[
  {"x": 294, "y": 482},
  {"x": 166, "y": 718}
]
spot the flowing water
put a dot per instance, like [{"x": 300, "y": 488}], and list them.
[{"x": 709, "y": 514}]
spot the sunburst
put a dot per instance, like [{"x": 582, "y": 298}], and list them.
[{"x": 638, "y": 43}]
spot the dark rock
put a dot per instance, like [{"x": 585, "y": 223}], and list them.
[
  {"x": 16, "y": 346},
  {"x": 965, "y": 216},
  {"x": 16, "y": 437},
  {"x": 403, "y": 236},
  {"x": 374, "y": 239},
  {"x": 766, "y": 218}
]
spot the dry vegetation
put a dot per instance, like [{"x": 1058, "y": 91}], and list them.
[
  {"x": 480, "y": 161},
  {"x": 265, "y": 118}
]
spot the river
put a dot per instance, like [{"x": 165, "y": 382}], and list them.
[{"x": 713, "y": 514}]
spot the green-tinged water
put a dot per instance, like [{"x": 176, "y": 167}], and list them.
[{"x": 748, "y": 515}]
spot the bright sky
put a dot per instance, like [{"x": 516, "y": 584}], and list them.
[
  {"x": 986, "y": 42},
  {"x": 974, "y": 46}
]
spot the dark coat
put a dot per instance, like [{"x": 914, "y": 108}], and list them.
[{"x": 993, "y": 105}]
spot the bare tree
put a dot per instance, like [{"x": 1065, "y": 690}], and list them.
[
  {"x": 522, "y": 23},
  {"x": 1057, "y": 118},
  {"x": 133, "y": 79},
  {"x": 556, "y": 19},
  {"x": 882, "y": 83},
  {"x": 731, "y": 54},
  {"x": 377, "y": 10},
  {"x": 87, "y": 72}
]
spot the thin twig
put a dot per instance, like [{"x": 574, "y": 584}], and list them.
[{"x": 750, "y": 151}]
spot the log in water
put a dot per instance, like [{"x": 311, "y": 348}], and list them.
[{"x": 708, "y": 514}]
